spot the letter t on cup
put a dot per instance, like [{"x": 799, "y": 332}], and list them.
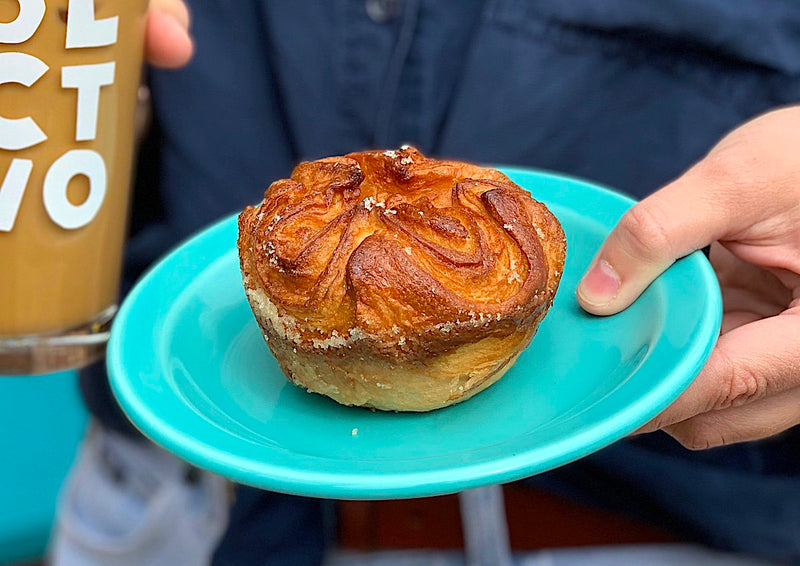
[{"x": 87, "y": 79}]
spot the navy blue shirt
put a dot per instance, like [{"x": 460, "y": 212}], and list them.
[{"x": 624, "y": 92}]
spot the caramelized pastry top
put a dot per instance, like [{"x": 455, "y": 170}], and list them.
[{"x": 402, "y": 253}]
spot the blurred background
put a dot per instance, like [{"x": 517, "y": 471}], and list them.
[{"x": 43, "y": 419}]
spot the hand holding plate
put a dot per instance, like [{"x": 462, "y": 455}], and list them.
[{"x": 744, "y": 198}]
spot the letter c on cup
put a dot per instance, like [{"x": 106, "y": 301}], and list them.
[
  {"x": 23, "y": 69},
  {"x": 31, "y": 14}
]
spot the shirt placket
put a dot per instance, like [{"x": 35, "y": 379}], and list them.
[{"x": 378, "y": 85}]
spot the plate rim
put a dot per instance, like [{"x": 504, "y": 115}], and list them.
[{"x": 317, "y": 483}]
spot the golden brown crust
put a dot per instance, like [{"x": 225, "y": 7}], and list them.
[
  {"x": 390, "y": 280},
  {"x": 399, "y": 255}
]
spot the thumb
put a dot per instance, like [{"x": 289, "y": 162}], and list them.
[{"x": 684, "y": 216}]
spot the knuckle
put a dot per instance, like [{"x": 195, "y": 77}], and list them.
[
  {"x": 698, "y": 435},
  {"x": 728, "y": 182},
  {"x": 741, "y": 384},
  {"x": 644, "y": 229},
  {"x": 719, "y": 166},
  {"x": 746, "y": 386}
]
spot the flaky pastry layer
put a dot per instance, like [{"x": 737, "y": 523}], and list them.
[{"x": 387, "y": 261}]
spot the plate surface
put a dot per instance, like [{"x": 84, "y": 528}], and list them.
[{"x": 190, "y": 368}]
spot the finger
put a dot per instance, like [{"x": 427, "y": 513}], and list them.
[
  {"x": 169, "y": 44},
  {"x": 744, "y": 284},
  {"x": 749, "y": 363},
  {"x": 734, "y": 319},
  {"x": 739, "y": 299},
  {"x": 755, "y": 421},
  {"x": 176, "y": 8},
  {"x": 684, "y": 216}
]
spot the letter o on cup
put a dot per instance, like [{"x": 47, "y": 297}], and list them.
[
  {"x": 31, "y": 14},
  {"x": 56, "y": 182}
]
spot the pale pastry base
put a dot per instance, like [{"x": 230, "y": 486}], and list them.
[{"x": 421, "y": 386}]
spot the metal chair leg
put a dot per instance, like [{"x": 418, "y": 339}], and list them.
[{"x": 483, "y": 517}]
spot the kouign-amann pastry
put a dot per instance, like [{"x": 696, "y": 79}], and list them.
[{"x": 389, "y": 280}]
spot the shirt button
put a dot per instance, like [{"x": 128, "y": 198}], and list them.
[{"x": 383, "y": 11}]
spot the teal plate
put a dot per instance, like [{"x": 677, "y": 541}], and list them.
[{"x": 191, "y": 370}]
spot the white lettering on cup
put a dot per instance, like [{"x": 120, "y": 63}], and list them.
[
  {"x": 88, "y": 80},
  {"x": 24, "y": 69},
  {"x": 73, "y": 163},
  {"x": 22, "y": 28},
  {"x": 12, "y": 190},
  {"x": 83, "y": 30}
]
